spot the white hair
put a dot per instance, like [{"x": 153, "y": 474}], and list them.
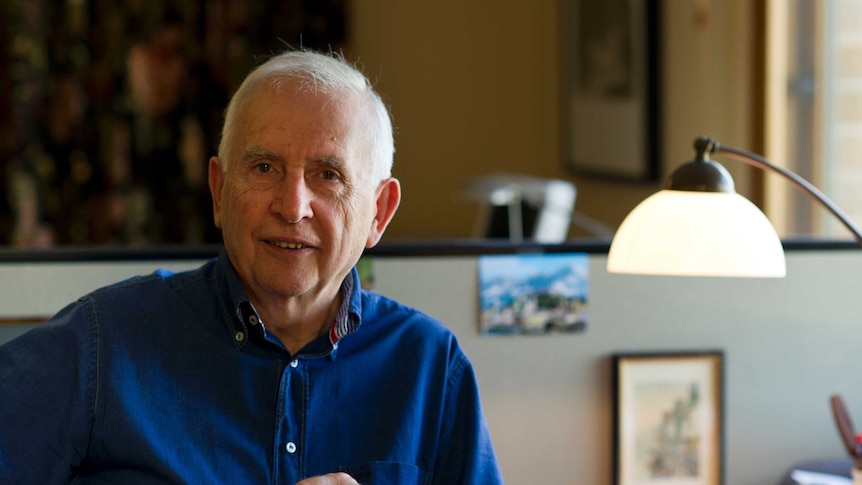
[{"x": 319, "y": 73}]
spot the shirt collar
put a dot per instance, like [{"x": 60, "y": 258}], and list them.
[
  {"x": 243, "y": 321},
  {"x": 348, "y": 318}
]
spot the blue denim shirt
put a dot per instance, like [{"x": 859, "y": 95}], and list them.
[{"x": 170, "y": 378}]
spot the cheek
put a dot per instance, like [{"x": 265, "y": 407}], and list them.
[
  {"x": 359, "y": 212},
  {"x": 359, "y": 202},
  {"x": 347, "y": 217},
  {"x": 238, "y": 205}
]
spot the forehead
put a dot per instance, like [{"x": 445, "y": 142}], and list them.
[
  {"x": 291, "y": 101},
  {"x": 289, "y": 112}
]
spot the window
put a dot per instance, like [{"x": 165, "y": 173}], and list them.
[{"x": 814, "y": 111}]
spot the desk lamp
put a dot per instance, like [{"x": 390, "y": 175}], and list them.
[{"x": 699, "y": 226}]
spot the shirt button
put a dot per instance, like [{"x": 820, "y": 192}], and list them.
[
  {"x": 294, "y": 363},
  {"x": 239, "y": 336},
  {"x": 291, "y": 447},
  {"x": 253, "y": 320}
]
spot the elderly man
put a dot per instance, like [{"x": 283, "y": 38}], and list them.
[{"x": 269, "y": 364}]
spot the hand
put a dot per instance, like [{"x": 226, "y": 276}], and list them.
[{"x": 329, "y": 479}]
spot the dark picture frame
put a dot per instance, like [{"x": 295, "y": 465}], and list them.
[
  {"x": 610, "y": 88},
  {"x": 668, "y": 418}
]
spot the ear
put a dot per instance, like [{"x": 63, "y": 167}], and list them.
[
  {"x": 388, "y": 198},
  {"x": 216, "y": 182}
]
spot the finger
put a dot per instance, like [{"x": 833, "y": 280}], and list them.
[{"x": 329, "y": 479}]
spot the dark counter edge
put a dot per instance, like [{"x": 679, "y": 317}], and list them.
[{"x": 411, "y": 248}]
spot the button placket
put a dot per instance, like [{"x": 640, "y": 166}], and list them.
[{"x": 290, "y": 429}]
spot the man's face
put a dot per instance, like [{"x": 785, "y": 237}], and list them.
[{"x": 297, "y": 205}]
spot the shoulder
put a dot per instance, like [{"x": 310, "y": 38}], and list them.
[
  {"x": 386, "y": 319},
  {"x": 378, "y": 309},
  {"x": 160, "y": 282},
  {"x": 152, "y": 301}
]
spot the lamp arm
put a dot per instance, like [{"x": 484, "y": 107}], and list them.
[{"x": 812, "y": 191}]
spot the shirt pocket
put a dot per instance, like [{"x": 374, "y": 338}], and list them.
[{"x": 388, "y": 473}]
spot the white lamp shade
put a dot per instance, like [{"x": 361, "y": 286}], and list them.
[{"x": 686, "y": 233}]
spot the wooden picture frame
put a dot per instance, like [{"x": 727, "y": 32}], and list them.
[
  {"x": 668, "y": 418},
  {"x": 24, "y": 320},
  {"x": 610, "y": 88}
]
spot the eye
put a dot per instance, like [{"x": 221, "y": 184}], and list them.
[
  {"x": 263, "y": 167},
  {"x": 329, "y": 175}
]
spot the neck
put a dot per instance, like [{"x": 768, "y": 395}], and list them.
[{"x": 297, "y": 324}]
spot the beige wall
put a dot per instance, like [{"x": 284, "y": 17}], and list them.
[{"x": 473, "y": 87}]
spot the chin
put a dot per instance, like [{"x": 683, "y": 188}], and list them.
[{"x": 292, "y": 288}]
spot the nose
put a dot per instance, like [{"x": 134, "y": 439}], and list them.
[{"x": 292, "y": 201}]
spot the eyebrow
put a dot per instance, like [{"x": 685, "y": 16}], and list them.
[
  {"x": 256, "y": 152},
  {"x": 332, "y": 161}
]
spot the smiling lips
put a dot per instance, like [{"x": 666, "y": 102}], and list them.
[{"x": 288, "y": 245}]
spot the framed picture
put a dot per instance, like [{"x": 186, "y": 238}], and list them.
[
  {"x": 668, "y": 418},
  {"x": 24, "y": 320},
  {"x": 610, "y": 88}
]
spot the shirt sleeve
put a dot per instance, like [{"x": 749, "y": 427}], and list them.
[
  {"x": 48, "y": 389},
  {"x": 466, "y": 455}
]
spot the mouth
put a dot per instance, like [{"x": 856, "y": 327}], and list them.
[{"x": 288, "y": 245}]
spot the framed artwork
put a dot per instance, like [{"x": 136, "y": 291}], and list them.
[
  {"x": 668, "y": 418},
  {"x": 610, "y": 88},
  {"x": 24, "y": 320}
]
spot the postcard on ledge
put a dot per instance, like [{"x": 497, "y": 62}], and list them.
[{"x": 533, "y": 293}]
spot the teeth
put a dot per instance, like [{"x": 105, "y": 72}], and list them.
[{"x": 288, "y": 245}]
